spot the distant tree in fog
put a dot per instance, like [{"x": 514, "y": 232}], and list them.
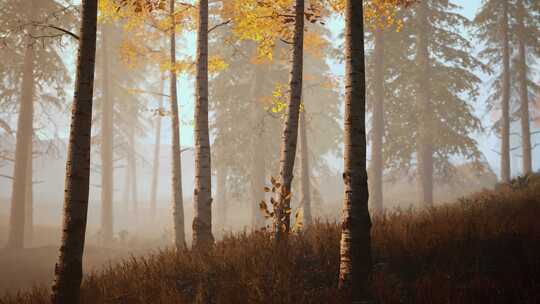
[
  {"x": 244, "y": 133},
  {"x": 118, "y": 119},
  {"x": 429, "y": 92},
  {"x": 178, "y": 201},
  {"x": 254, "y": 85},
  {"x": 35, "y": 78},
  {"x": 157, "y": 150},
  {"x": 492, "y": 27},
  {"x": 106, "y": 140},
  {"x": 148, "y": 23},
  {"x": 508, "y": 31}
]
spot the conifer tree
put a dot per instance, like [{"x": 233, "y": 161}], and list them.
[
  {"x": 493, "y": 28},
  {"x": 432, "y": 93},
  {"x": 33, "y": 84},
  {"x": 527, "y": 30}
]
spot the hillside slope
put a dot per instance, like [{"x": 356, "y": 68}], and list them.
[{"x": 482, "y": 249}]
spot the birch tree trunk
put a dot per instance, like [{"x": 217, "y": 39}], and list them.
[
  {"x": 202, "y": 194},
  {"x": 523, "y": 91},
  {"x": 305, "y": 185},
  {"x": 178, "y": 204},
  {"x": 257, "y": 179},
  {"x": 107, "y": 144},
  {"x": 377, "y": 165},
  {"x": 23, "y": 147},
  {"x": 424, "y": 144},
  {"x": 68, "y": 269},
  {"x": 355, "y": 245},
  {"x": 157, "y": 151},
  {"x": 505, "y": 101},
  {"x": 290, "y": 131}
]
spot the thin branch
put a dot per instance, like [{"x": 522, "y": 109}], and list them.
[
  {"x": 219, "y": 25},
  {"x": 286, "y": 41},
  {"x": 58, "y": 29},
  {"x": 64, "y": 31},
  {"x": 45, "y": 36},
  {"x": 145, "y": 92},
  {"x": 7, "y": 158},
  {"x": 4, "y": 125}
]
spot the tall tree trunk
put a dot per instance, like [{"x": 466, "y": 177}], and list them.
[
  {"x": 22, "y": 147},
  {"x": 257, "y": 183},
  {"x": 523, "y": 91},
  {"x": 290, "y": 131},
  {"x": 127, "y": 185},
  {"x": 29, "y": 208},
  {"x": 68, "y": 269},
  {"x": 355, "y": 252},
  {"x": 257, "y": 179},
  {"x": 505, "y": 102},
  {"x": 157, "y": 151},
  {"x": 377, "y": 165},
  {"x": 425, "y": 137},
  {"x": 178, "y": 204},
  {"x": 221, "y": 197},
  {"x": 107, "y": 110},
  {"x": 202, "y": 194},
  {"x": 305, "y": 184},
  {"x": 132, "y": 159}
]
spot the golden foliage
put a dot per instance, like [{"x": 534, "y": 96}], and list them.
[
  {"x": 146, "y": 23},
  {"x": 278, "y": 209},
  {"x": 377, "y": 13},
  {"x": 216, "y": 64}
]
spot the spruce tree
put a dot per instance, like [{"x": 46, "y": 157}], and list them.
[{"x": 430, "y": 88}]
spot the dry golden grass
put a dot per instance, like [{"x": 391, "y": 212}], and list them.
[{"x": 483, "y": 249}]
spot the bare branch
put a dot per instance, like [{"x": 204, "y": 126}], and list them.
[
  {"x": 286, "y": 41},
  {"x": 57, "y": 28},
  {"x": 219, "y": 25},
  {"x": 4, "y": 125},
  {"x": 493, "y": 150},
  {"x": 2, "y": 157}
]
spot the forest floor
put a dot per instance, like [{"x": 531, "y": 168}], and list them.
[
  {"x": 24, "y": 269},
  {"x": 482, "y": 249}
]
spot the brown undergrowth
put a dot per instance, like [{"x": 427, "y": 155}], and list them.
[{"x": 482, "y": 249}]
